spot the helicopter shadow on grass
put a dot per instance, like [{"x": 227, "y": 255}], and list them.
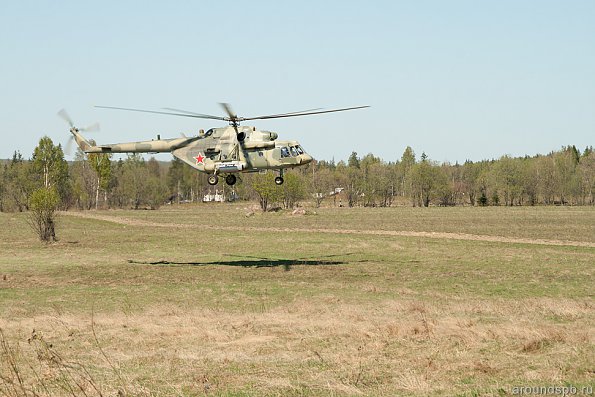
[{"x": 254, "y": 261}]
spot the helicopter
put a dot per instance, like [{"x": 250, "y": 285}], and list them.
[{"x": 218, "y": 151}]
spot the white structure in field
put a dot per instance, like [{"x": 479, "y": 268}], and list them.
[{"x": 219, "y": 196}]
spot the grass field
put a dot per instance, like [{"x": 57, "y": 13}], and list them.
[{"x": 203, "y": 300}]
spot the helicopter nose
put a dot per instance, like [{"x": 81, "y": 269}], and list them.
[{"x": 306, "y": 158}]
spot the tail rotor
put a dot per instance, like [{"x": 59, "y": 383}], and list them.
[{"x": 63, "y": 114}]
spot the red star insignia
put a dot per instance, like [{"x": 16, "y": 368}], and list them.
[{"x": 200, "y": 159}]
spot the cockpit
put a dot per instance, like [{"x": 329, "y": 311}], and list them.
[{"x": 291, "y": 151}]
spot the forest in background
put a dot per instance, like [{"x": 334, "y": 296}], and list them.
[{"x": 96, "y": 181}]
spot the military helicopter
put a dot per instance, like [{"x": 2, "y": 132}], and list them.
[{"x": 218, "y": 151}]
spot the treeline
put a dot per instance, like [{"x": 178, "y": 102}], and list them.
[
  {"x": 564, "y": 177},
  {"x": 91, "y": 181}
]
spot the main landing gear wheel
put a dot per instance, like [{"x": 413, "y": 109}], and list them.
[
  {"x": 230, "y": 179},
  {"x": 279, "y": 180},
  {"x": 213, "y": 179}
]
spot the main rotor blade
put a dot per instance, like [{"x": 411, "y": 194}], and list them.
[
  {"x": 301, "y": 111},
  {"x": 64, "y": 115},
  {"x": 206, "y": 116},
  {"x": 306, "y": 113},
  {"x": 229, "y": 111},
  {"x": 201, "y": 115}
]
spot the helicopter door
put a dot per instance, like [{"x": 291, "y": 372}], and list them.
[
  {"x": 257, "y": 159},
  {"x": 277, "y": 153}
]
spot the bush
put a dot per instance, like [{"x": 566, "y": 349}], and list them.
[{"x": 43, "y": 204}]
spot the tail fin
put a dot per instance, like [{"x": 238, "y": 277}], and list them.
[{"x": 80, "y": 140}]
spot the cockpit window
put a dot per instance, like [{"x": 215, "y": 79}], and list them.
[
  {"x": 209, "y": 132},
  {"x": 294, "y": 152},
  {"x": 284, "y": 152},
  {"x": 299, "y": 149}
]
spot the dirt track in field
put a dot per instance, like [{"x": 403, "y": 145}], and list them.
[{"x": 400, "y": 233}]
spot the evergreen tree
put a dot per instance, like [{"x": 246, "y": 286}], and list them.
[{"x": 353, "y": 160}]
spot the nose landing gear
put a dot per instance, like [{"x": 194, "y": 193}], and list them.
[{"x": 279, "y": 179}]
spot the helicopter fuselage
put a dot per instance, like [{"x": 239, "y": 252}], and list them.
[{"x": 218, "y": 151}]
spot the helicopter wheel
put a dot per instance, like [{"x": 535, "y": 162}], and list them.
[
  {"x": 230, "y": 179},
  {"x": 213, "y": 179},
  {"x": 279, "y": 180}
]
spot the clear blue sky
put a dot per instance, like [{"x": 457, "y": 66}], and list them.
[{"x": 456, "y": 79}]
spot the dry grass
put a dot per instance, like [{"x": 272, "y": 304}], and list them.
[
  {"x": 142, "y": 310},
  {"x": 319, "y": 348}
]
